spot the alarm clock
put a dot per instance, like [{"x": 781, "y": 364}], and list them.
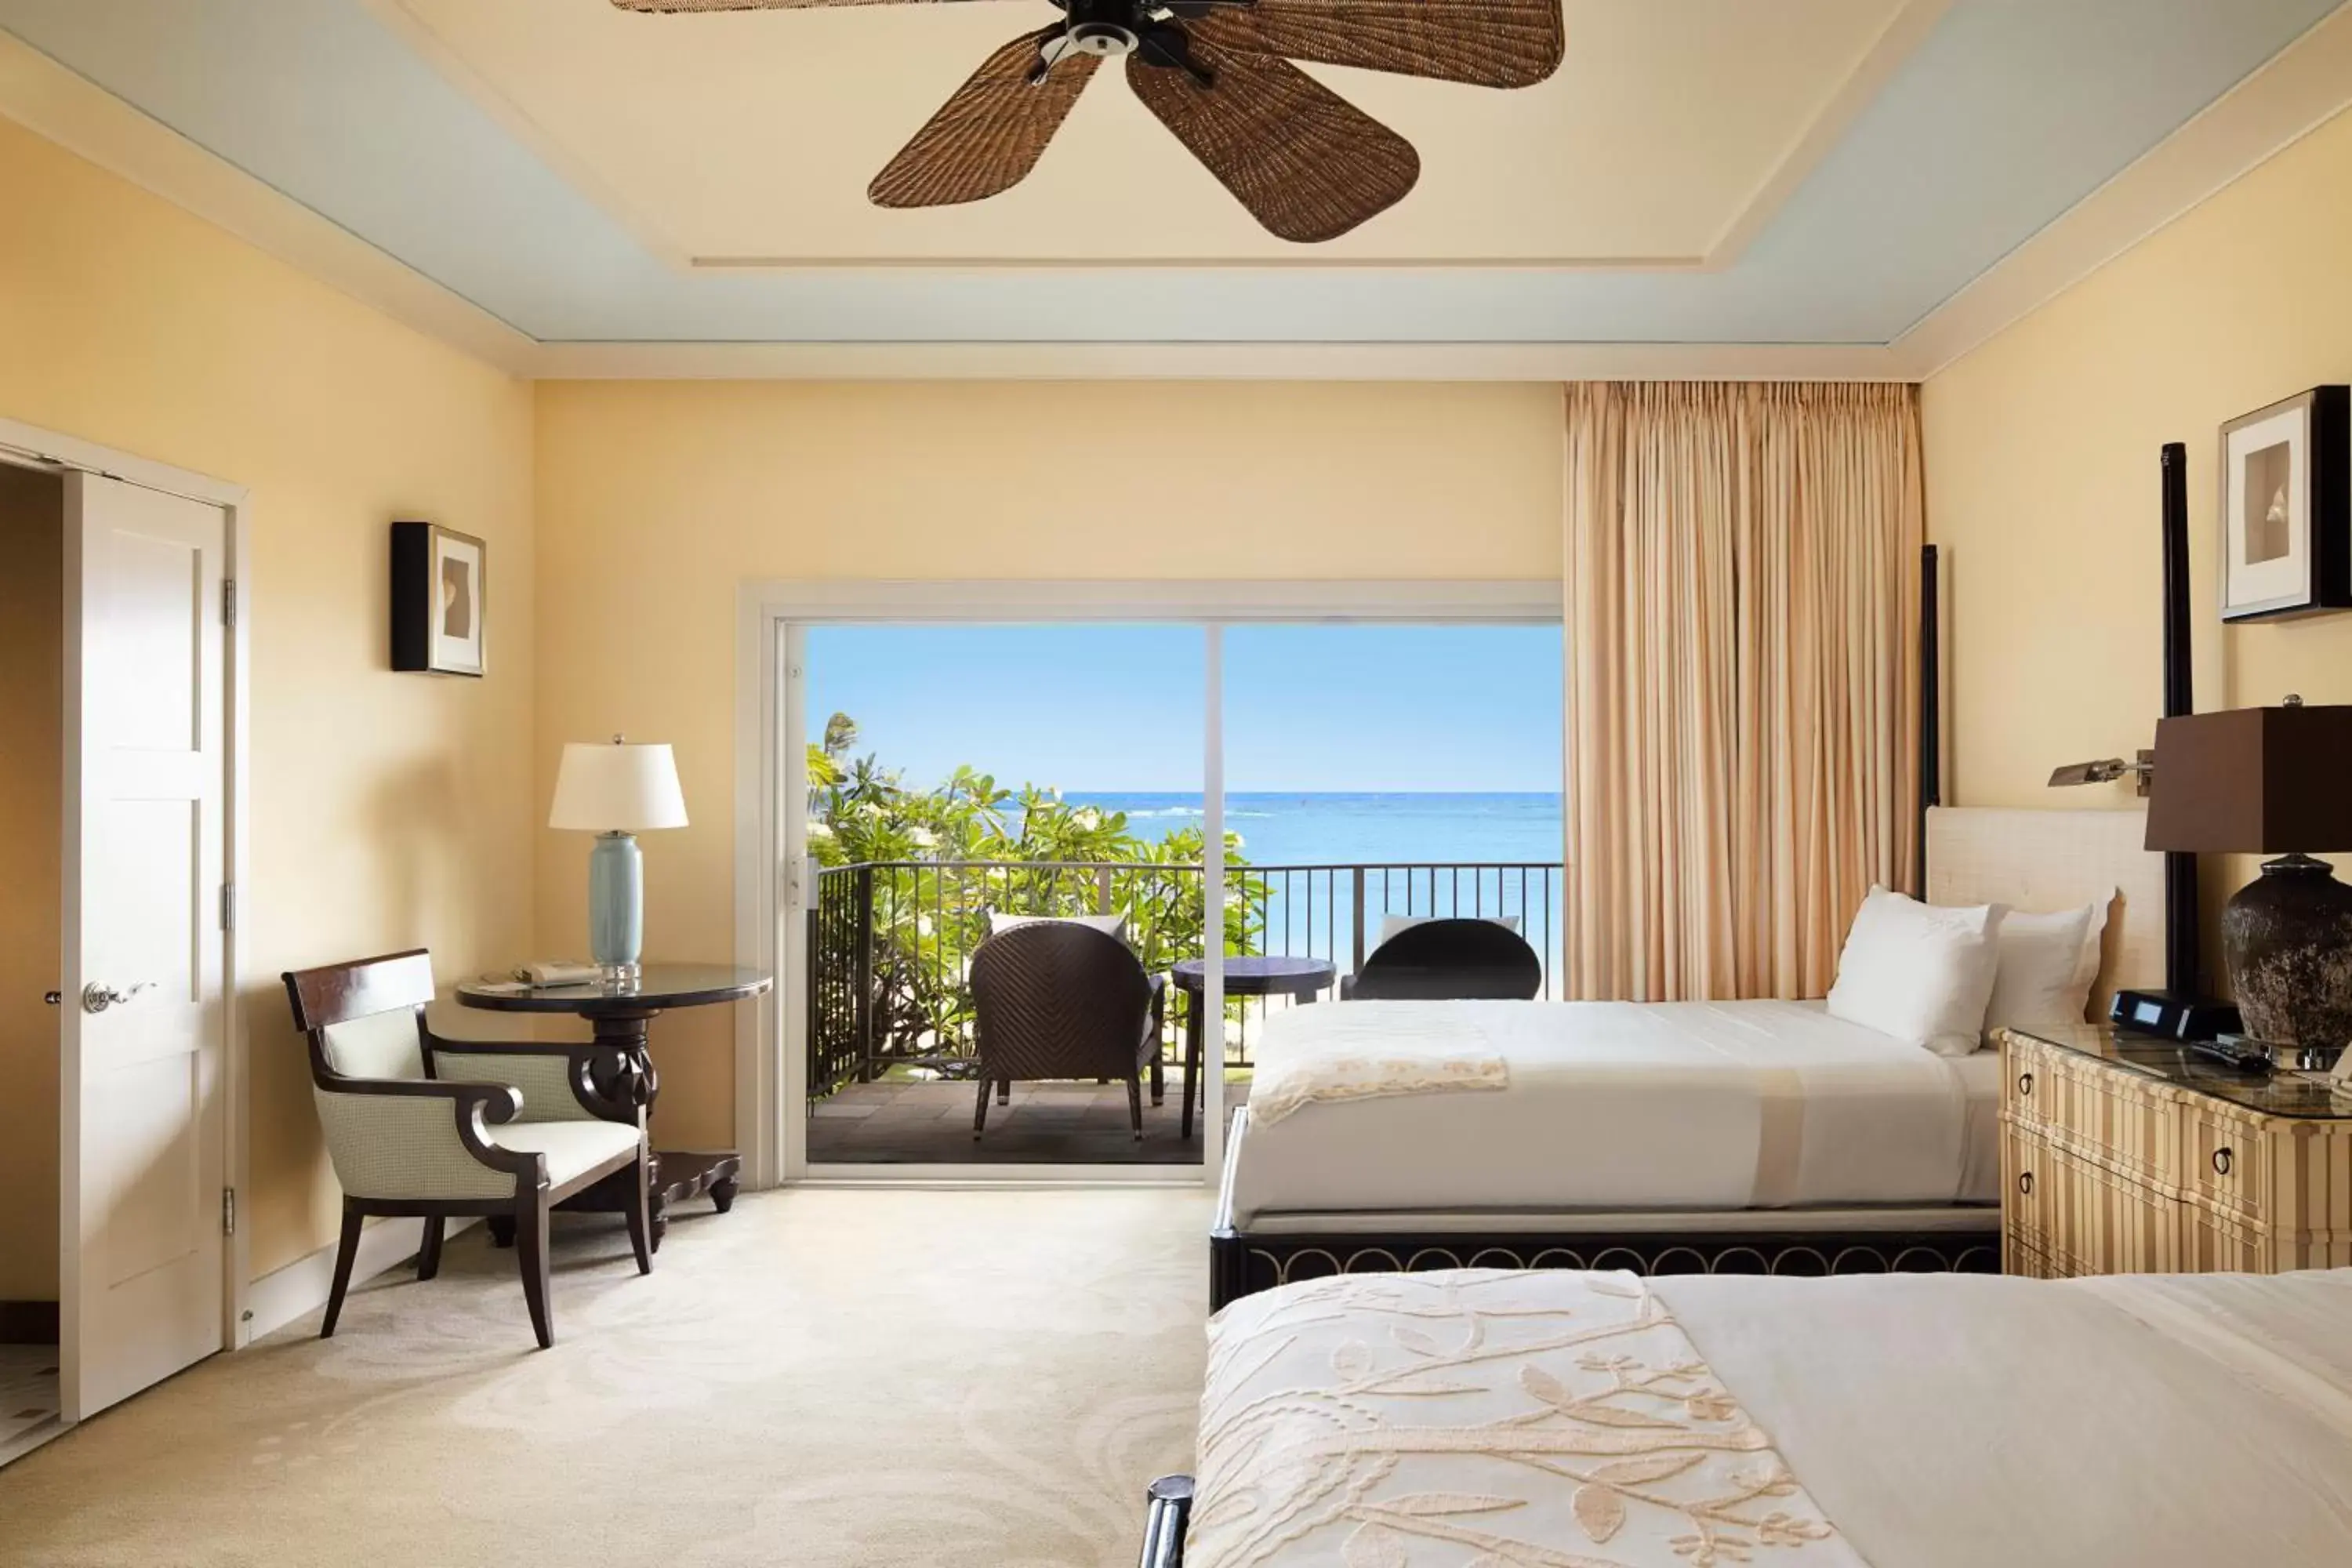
[{"x": 2174, "y": 1017}]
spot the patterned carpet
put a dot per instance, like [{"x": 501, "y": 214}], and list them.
[{"x": 820, "y": 1380}]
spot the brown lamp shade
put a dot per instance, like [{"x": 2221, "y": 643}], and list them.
[{"x": 2253, "y": 781}]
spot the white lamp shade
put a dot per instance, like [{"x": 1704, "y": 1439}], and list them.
[{"x": 618, "y": 788}]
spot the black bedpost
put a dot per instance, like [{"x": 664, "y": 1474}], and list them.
[
  {"x": 1931, "y": 699},
  {"x": 2181, "y": 976}
]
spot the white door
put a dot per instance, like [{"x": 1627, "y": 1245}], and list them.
[{"x": 145, "y": 1049}]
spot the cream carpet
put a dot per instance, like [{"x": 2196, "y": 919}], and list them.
[{"x": 819, "y": 1380}]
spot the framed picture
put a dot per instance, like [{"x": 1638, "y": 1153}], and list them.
[
  {"x": 439, "y": 599},
  {"x": 2286, "y": 506}
]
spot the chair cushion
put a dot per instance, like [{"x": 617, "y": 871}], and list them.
[
  {"x": 381, "y": 1045},
  {"x": 570, "y": 1147}
]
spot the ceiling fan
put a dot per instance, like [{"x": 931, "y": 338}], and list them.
[{"x": 1307, "y": 164}]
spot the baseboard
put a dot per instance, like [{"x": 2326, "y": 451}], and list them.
[
  {"x": 28, "y": 1322},
  {"x": 277, "y": 1298}
]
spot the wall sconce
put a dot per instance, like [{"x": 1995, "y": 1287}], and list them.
[{"x": 2107, "y": 771}]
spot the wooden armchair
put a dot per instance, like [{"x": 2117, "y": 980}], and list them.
[
  {"x": 1056, "y": 999},
  {"x": 422, "y": 1126}
]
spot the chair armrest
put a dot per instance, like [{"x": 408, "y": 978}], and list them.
[
  {"x": 423, "y": 1139},
  {"x": 557, "y": 1078}
]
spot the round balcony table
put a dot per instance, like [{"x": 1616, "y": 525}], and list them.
[
  {"x": 1302, "y": 978},
  {"x": 621, "y": 1016}
]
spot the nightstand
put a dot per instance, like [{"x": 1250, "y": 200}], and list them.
[{"x": 2125, "y": 1154}]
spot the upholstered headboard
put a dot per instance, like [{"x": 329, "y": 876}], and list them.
[{"x": 2047, "y": 860}]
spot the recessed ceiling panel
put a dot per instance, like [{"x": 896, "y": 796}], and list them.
[{"x": 750, "y": 136}]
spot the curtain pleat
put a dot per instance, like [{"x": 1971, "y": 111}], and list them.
[{"x": 1742, "y": 603}]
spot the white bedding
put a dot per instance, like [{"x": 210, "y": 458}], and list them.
[
  {"x": 1475, "y": 1417},
  {"x": 1690, "y": 1105}
]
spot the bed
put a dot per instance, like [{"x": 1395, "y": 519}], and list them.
[
  {"x": 1585, "y": 1420},
  {"x": 1754, "y": 1137}
]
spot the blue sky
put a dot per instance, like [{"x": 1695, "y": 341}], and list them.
[{"x": 1107, "y": 709}]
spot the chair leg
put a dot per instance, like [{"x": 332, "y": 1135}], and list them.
[
  {"x": 640, "y": 1216},
  {"x": 980, "y": 1112},
  {"x": 1159, "y": 1078},
  {"x": 1135, "y": 1104},
  {"x": 347, "y": 1252},
  {"x": 429, "y": 1252},
  {"x": 1004, "y": 1091},
  {"x": 531, "y": 1251}
]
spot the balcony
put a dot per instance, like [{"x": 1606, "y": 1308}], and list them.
[{"x": 891, "y": 1066}]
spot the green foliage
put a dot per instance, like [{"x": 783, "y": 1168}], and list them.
[{"x": 941, "y": 860}]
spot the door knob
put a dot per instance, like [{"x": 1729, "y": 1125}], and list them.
[{"x": 97, "y": 998}]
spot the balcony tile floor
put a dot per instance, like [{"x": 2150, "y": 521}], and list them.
[{"x": 897, "y": 1123}]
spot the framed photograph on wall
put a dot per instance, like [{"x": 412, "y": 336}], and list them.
[
  {"x": 2286, "y": 506},
  {"x": 439, "y": 599}
]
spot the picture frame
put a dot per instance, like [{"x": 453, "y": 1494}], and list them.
[
  {"x": 2286, "y": 507},
  {"x": 440, "y": 603}
]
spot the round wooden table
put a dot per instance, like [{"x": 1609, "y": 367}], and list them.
[
  {"x": 1301, "y": 978},
  {"x": 621, "y": 1017}
]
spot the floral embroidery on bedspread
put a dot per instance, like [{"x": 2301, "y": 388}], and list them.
[
  {"x": 1483, "y": 1419},
  {"x": 1326, "y": 1054}
]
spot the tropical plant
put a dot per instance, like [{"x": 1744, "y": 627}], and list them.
[{"x": 931, "y": 865}]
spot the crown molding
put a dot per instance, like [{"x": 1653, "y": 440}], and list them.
[
  {"x": 2298, "y": 90},
  {"x": 1216, "y": 362},
  {"x": 86, "y": 120}
]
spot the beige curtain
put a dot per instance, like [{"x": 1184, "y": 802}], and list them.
[{"x": 1742, "y": 606}]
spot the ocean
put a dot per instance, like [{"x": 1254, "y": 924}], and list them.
[{"x": 1314, "y": 914}]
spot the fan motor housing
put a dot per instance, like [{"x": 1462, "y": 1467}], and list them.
[{"x": 1102, "y": 38}]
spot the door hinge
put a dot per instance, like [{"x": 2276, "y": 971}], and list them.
[
  {"x": 228, "y": 906},
  {"x": 228, "y": 1211},
  {"x": 228, "y": 600}
]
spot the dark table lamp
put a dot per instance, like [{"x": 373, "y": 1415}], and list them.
[{"x": 2270, "y": 780}]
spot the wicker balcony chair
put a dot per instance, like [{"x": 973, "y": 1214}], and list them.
[
  {"x": 1448, "y": 961},
  {"x": 431, "y": 1128},
  {"x": 1058, "y": 1000}
]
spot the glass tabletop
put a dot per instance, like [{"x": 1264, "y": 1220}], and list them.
[{"x": 2283, "y": 1092}]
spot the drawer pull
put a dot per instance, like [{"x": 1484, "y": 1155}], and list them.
[
  {"x": 2221, "y": 1161},
  {"x": 2025, "y": 1182},
  {"x": 2024, "y": 1084}
]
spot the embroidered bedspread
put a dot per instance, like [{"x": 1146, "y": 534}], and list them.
[
  {"x": 1368, "y": 1051},
  {"x": 1485, "y": 1419},
  {"x": 1467, "y": 1420}
]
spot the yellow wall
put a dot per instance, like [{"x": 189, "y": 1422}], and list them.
[
  {"x": 2042, "y": 477},
  {"x": 658, "y": 499},
  {"x": 388, "y": 810},
  {"x": 32, "y": 659}
]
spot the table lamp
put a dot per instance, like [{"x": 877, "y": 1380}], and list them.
[
  {"x": 2270, "y": 780},
  {"x": 616, "y": 792}
]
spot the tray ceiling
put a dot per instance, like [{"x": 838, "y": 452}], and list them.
[
  {"x": 750, "y": 136},
  {"x": 1700, "y": 171}
]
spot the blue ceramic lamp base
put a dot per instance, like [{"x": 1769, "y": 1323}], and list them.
[{"x": 616, "y": 911}]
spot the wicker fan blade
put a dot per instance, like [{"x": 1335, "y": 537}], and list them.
[
  {"x": 987, "y": 138},
  {"x": 1308, "y": 165},
  {"x": 1487, "y": 42},
  {"x": 670, "y": 7}
]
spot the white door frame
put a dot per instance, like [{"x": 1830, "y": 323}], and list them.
[
  {"x": 27, "y": 446},
  {"x": 771, "y": 768}
]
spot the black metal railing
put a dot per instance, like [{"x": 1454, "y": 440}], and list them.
[{"x": 891, "y": 943}]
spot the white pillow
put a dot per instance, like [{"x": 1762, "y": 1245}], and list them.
[
  {"x": 2047, "y": 964},
  {"x": 1921, "y": 974},
  {"x": 1109, "y": 925},
  {"x": 1393, "y": 924}
]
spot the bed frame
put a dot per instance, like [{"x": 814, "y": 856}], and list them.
[{"x": 2027, "y": 859}]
